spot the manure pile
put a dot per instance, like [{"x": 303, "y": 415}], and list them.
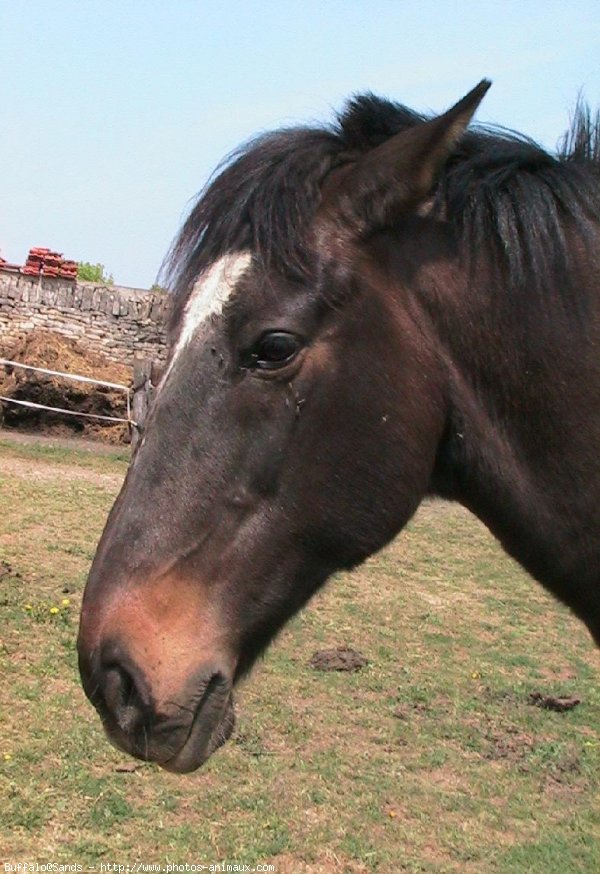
[{"x": 55, "y": 352}]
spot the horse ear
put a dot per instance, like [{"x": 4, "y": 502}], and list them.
[{"x": 400, "y": 173}]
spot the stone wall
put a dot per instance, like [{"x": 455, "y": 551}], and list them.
[{"x": 119, "y": 322}]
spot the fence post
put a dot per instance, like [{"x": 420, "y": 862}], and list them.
[{"x": 143, "y": 391}]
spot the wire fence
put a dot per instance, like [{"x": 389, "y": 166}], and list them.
[{"x": 76, "y": 378}]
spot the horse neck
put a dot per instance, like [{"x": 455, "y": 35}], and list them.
[{"x": 523, "y": 431}]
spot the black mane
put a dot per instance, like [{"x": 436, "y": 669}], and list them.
[{"x": 499, "y": 189}]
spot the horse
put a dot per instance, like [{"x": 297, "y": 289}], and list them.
[{"x": 364, "y": 313}]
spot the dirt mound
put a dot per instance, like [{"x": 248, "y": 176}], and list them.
[
  {"x": 343, "y": 658},
  {"x": 55, "y": 352}
]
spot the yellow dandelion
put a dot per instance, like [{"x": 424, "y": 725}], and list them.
[
  {"x": 475, "y": 675},
  {"x": 65, "y": 602},
  {"x": 7, "y": 757},
  {"x": 54, "y": 609},
  {"x": 28, "y": 606}
]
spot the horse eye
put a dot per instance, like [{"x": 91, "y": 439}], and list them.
[{"x": 272, "y": 350}]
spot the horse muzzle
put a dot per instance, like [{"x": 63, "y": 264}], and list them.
[{"x": 179, "y": 732}]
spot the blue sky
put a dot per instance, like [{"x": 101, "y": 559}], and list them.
[{"x": 113, "y": 114}]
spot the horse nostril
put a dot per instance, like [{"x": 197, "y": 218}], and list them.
[
  {"x": 122, "y": 697},
  {"x": 118, "y": 687}
]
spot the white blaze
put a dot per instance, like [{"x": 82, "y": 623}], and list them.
[{"x": 209, "y": 294}]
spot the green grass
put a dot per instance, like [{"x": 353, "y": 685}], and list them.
[
  {"x": 429, "y": 760},
  {"x": 110, "y": 459}
]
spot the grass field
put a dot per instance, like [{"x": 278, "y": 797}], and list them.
[{"x": 431, "y": 759}]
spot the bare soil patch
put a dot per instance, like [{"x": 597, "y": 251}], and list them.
[{"x": 48, "y": 472}]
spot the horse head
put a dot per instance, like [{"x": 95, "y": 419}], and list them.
[{"x": 293, "y": 433}]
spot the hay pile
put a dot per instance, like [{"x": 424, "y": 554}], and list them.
[{"x": 55, "y": 352}]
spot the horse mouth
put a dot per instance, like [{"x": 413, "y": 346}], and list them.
[
  {"x": 207, "y": 733},
  {"x": 211, "y": 725}
]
